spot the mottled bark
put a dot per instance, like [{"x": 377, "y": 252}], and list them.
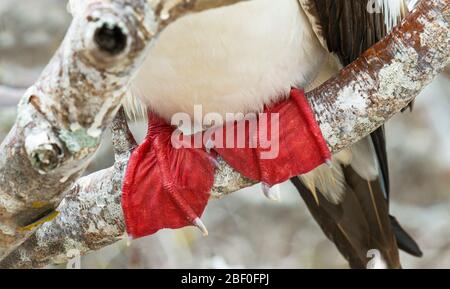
[
  {"x": 348, "y": 107},
  {"x": 386, "y": 78},
  {"x": 61, "y": 118},
  {"x": 91, "y": 217}
]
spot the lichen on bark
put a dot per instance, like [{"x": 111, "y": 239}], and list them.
[{"x": 348, "y": 107}]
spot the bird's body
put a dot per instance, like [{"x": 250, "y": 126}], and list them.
[
  {"x": 233, "y": 59},
  {"x": 239, "y": 58},
  {"x": 236, "y": 60}
]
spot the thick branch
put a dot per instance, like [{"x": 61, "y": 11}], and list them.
[
  {"x": 62, "y": 117},
  {"x": 90, "y": 217},
  {"x": 386, "y": 78},
  {"x": 365, "y": 94}
]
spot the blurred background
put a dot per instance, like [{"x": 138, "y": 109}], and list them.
[{"x": 246, "y": 230}]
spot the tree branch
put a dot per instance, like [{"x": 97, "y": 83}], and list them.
[
  {"x": 348, "y": 107},
  {"x": 90, "y": 217},
  {"x": 62, "y": 117},
  {"x": 386, "y": 78}
]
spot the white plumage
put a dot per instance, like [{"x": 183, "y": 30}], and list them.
[
  {"x": 232, "y": 59},
  {"x": 239, "y": 58},
  {"x": 393, "y": 10},
  {"x": 236, "y": 58}
]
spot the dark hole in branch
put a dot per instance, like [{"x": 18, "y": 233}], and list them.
[
  {"x": 45, "y": 212},
  {"x": 110, "y": 39}
]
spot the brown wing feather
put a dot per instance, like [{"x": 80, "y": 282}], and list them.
[
  {"x": 345, "y": 26},
  {"x": 361, "y": 222},
  {"x": 351, "y": 226}
]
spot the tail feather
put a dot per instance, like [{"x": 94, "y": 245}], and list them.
[
  {"x": 358, "y": 224},
  {"x": 404, "y": 241}
]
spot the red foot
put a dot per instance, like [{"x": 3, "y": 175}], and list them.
[
  {"x": 165, "y": 187},
  {"x": 169, "y": 188},
  {"x": 301, "y": 146}
]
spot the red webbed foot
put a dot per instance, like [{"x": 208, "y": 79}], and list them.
[
  {"x": 296, "y": 137},
  {"x": 168, "y": 187},
  {"x": 165, "y": 187}
]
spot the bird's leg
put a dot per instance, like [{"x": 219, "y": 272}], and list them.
[{"x": 166, "y": 186}]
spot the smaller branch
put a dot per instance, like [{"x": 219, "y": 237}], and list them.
[
  {"x": 385, "y": 78},
  {"x": 122, "y": 138},
  {"x": 170, "y": 11},
  {"x": 90, "y": 216}
]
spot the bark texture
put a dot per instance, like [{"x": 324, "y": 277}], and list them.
[
  {"x": 62, "y": 117},
  {"x": 348, "y": 107},
  {"x": 386, "y": 78}
]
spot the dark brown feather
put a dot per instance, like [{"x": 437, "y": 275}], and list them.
[
  {"x": 404, "y": 241},
  {"x": 351, "y": 226},
  {"x": 347, "y": 26},
  {"x": 378, "y": 138},
  {"x": 361, "y": 222}
]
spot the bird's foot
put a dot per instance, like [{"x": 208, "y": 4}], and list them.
[{"x": 165, "y": 186}]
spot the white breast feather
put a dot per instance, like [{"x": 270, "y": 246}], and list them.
[
  {"x": 239, "y": 58},
  {"x": 393, "y": 11},
  {"x": 232, "y": 59}
]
